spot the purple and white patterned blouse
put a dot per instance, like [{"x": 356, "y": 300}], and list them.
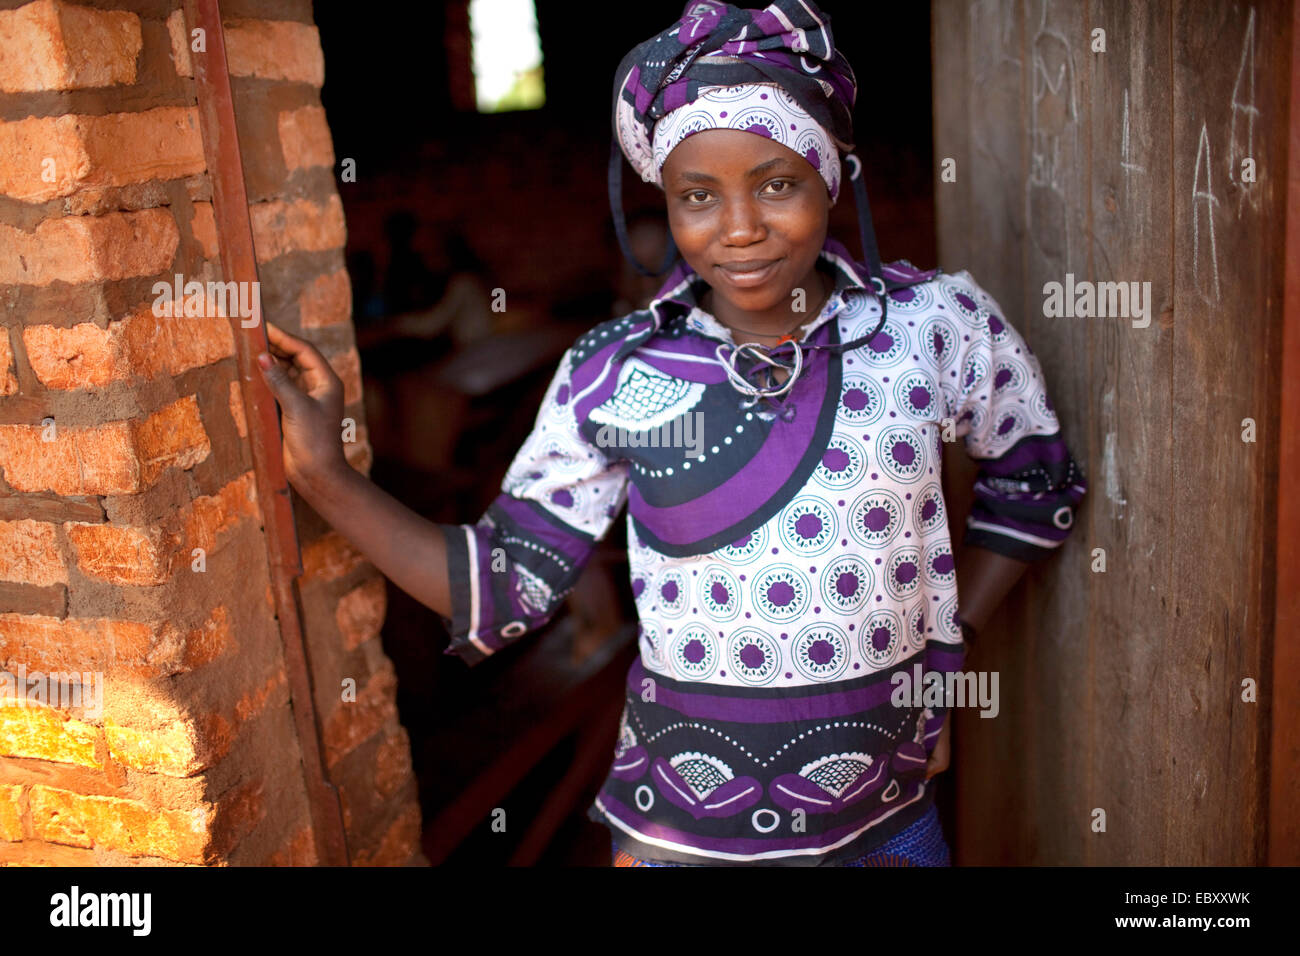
[{"x": 785, "y": 566}]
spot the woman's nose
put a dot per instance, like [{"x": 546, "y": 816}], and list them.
[{"x": 742, "y": 223}]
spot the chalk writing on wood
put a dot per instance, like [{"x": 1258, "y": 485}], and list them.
[
  {"x": 1206, "y": 194},
  {"x": 1244, "y": 112},
  {"x": 1125, "y": 159},
  {"x": 1053, "y": 121}
]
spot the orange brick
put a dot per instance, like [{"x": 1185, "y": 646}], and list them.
[
  {"x": 146, "y": 649},
  {"x": 212, "y": 515},
  {"x": 300, "y": 851},
  {"x": 81, "y": 356},
  {"x": 204, "y": 227},
  {"x": 237, "y": 409},
  {"x": 127, "y": 556},
  {"x": 329, "y": 557},
  {"x": 58, "y": 155},
  {"x": 132, "y": 827},
  {"x": 347, "y": 365},
  {"x": 50, "y": 45},
  {"x": 29, "y": 553},
  {"x": 393, "y": 763},
  {"x": 327, "y": 300},
  {"x": 276, "y": 50},
  {"x": 173, "y": 751},
  {"x": 181, "y": 744},
  {"x": 8, "y": 381},
  {"x": 352, "y": 723},
  {"x": 141, "y": 344},
  {"x": 254, "y": 702},
  {"x": 11, "y": 812},
  {"x": 360, "y": 613},
  {"x": 173, "y": 436},
  {"x": 298, "y": 226},
  {"x": 199, "y": 334},
  {"x": 399, "y": 842},
  {"x": 117, "y": 245},
  {"x": 115, "y": 458},
  {"x": 45, "y": 733},
  {"x": 238, "y": 811},
  {"x": 270, "y": 49},
  {"x": 78, "y": 461},
  {"x": 212, "y": 639},
  {"x": 305, "y": 138}
]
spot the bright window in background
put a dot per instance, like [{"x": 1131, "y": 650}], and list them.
[{"x": 507, "y": 55}]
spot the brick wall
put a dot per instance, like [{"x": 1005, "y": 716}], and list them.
[{"x": 131, "y": 541}]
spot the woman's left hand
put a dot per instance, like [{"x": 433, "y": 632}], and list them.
[{"x": 938, "y": 761}]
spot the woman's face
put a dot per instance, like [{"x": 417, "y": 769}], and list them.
[{"x": 748, "y": 215}]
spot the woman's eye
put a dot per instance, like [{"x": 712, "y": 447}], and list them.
[
  {"x": 698, "y": 196},
  {"x": 784, "y": 186}
]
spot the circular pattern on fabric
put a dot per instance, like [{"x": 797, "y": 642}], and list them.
[
  {"x": 958, "y": 297},
  {"x": 571, "y": 497},
  {"x": 1009, "y": 377},
  {"x": 810, "y": 144},
  {"x": 746, "y": 547},
  {"x": 695, "y": 653},
  {"x": 719, "y": 593},
  {"x": 846, "y": 583},
  {"x": 911, "y": 299},
  {"x": 820, "y": 651},
  {"x": 876, "y": 517},
  {"x": 880, "y": 638},
  {"x": 947, "y": 619},
  {"x": 764, "y": 119},
  {"x": 974, "y": 372},
  {"x": 889, "y": 345},
  {"x": 842, "y": 463},
  {"x": 1011, "y": 424},
  {"x": 862, "y": 400},
  {"x": 564, "y": 456},
  {"x": 928, "y": 511},
  {"x": 917, "y": 396},
  {"x": 900, "y": 453},
  {"x": 780, "y": 593},
  {"x": 753, "y": 656},
  {"x": 678, "y": 128},
  {"x": 938, "y": 341},
  {"x": 939, "y": 566},
  {"x": 671, "y": 596},
  {"x": 1042, "y": 407},
  {"x": 903, "y": 573},
  {"x": 916, "y": 626},
  {"x": 976, "y": 415},
  {"x": 808, "y": 526}
]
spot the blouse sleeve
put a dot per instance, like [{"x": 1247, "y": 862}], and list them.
[
  {"x": 1028, "y": 485},
  {"x": 511, "y": 571}
]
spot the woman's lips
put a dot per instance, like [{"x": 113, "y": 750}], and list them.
[{"x": 747, "y": 275}]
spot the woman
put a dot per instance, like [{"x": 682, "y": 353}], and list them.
[{"x": 774, "y": 422}]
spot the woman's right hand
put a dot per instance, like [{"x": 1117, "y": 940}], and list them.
[{"x": 310, "y": 395}]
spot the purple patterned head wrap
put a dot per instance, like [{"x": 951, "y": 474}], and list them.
[
  {"x": 764, "y": 109},
  {"x": 787, "y": 44}
]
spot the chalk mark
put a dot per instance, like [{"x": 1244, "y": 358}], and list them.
[{"x": 1203, "y": 149}]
